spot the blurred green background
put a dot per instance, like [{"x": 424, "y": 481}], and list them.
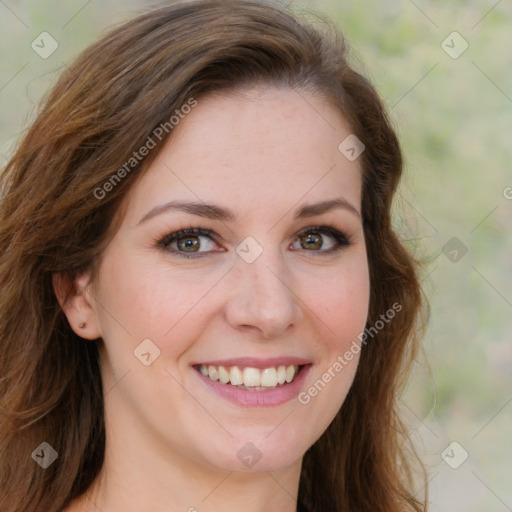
[{"x": 452, "y": 108}]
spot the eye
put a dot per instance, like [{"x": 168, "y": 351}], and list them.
[
  {"x": 189, "y": 242},
  {"x": 322, "y": 239},
  {"x": 194, "y": 242}
]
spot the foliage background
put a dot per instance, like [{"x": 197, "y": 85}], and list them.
[{"x": 454, "y": 117}]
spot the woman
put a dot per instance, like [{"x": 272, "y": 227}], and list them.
[{"x": 204, "y": 305}]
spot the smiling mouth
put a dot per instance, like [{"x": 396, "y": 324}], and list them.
[{"x": 249, "y": 378}]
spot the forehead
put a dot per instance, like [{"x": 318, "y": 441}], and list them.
[{"x": 260, "y": 148}]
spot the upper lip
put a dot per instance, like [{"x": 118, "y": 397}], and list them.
[{"x": 254, "y": 362}]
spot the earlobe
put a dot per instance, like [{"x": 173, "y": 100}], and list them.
[{"x": 78, "y": 304}]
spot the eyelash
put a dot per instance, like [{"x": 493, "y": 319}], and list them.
[{"x": 341, "y": 239}]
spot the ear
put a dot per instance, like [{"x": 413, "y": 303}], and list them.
[{"x": 78, "y": 304}]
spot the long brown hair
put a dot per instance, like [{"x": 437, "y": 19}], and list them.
[{"x": 53, "y": 220}]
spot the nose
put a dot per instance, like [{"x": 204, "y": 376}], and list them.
[{"x": 262, "y": 297}]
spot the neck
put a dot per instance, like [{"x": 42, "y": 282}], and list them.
[{"x": 140, "y": 478}]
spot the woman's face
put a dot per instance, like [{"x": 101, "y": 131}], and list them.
[{"x": 276, "y": 277}]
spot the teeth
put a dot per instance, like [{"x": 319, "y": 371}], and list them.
[
  {"x": 281, "y": 374},
  {"x": 269, "y": 377},
  {"x": 214, "y": 374},
  {"x": 251, "y": 378},
  {"x": 290, "y": 373},
  {"x": 236, "y": 377},
  {"x": 223, "y": 375}
]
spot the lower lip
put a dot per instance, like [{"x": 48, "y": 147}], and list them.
[{"x": 270, "y": 398}]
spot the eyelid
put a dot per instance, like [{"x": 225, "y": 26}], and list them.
[
  {"x": 191, "y": 231},
  {"x": 325, "y": 229}
]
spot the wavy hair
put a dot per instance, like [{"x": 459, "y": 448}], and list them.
[{"x": 53, "y": 220}]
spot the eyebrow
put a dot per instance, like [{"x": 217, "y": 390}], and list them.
[{"x": 212, "y": 211}]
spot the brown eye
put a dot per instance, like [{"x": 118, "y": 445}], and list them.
[
  {"x": 190, "y": 241},
  {"x": 188, "y": 244},
  {"x": 321, "y": 239},
  {"x": 311, "y": 241}
]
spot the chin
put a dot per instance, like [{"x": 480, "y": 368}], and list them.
[{"x": 263, "y": 454}]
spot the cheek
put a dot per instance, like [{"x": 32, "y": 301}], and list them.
[
  {"x": 342, "y": 303},
  {"x": 136, "y": 303},
  {"x": 342, "y": 310},
  {"x": 140, "y": 301}
]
